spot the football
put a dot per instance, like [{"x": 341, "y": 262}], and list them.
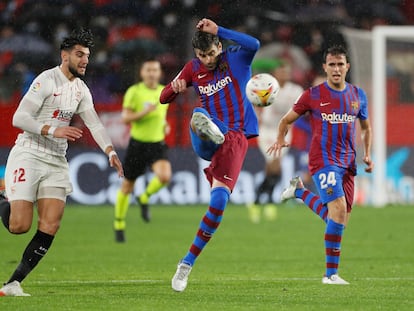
[{"x": 262, "y": 89}]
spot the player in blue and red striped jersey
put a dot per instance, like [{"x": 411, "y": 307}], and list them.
[
  {"x": 334, "y": 108},
  {"x": 220, "y": 129}
]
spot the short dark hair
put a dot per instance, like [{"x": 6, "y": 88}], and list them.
[
  {"x": 79, "y": 36},
  {"x": 204, "y": 40},
  {"x": 335, "y": 50},
  {"x": 149, "y": 59}
]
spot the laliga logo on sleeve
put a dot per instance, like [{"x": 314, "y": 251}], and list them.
[{"x": 36, "y": 86}]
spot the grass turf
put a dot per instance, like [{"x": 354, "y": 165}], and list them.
[{"x": 271, "y": 266}]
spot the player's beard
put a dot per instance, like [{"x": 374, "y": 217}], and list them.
[{"x": 75, "y": 73}]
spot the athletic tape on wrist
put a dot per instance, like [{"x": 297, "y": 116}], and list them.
[
  {"x": 112, "y": 153},
  {"x": 51, "y": 130}
]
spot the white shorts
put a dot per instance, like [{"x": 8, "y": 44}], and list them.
[
  {"x": 267, "y": 138},
  {"x": 29, "y": 173}
]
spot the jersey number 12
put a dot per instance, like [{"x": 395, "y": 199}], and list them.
[{"x": 18, "y": 175}]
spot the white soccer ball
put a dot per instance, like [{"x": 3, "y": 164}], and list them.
[{"x": 262, "y": 89}]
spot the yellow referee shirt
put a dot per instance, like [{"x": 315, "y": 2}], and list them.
[{"x": 151, "y": 127}]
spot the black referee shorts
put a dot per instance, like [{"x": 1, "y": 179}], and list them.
[{"x": 140, "y": 156}]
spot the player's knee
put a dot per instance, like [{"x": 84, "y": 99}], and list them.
[
  {"x": 165, "y": 177},
  {"x": 19, "y": 228},
  {"x": 49, "y": 228},
  {"x": 127, "y": 186},
  {"x": 338, "y": 210}
]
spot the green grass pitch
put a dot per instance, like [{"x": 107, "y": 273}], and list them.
[{"x": 271, "y": 266}]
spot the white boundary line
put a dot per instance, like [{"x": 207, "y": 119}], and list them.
[{"x": 143, "y": 281}]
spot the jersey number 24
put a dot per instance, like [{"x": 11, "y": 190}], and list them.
[{"x": 327, "y": 179}]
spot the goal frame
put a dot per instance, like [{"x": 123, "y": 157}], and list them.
[{"x": 380, "y": 34}]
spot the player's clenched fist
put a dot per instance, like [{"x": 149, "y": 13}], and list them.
[
  {"x": 370, "y": 165},
  {"x": 69, "y": 132},
  {"x": 179, "y": 85},
  {"x": 207, "y": 25}
]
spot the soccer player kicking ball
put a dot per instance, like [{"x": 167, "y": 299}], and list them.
[
  {"x": 219, "y": 130},
  {"x": 37, "y": 169},
  {"x": 334, "y": 107}
]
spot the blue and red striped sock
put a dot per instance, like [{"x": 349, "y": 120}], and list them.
[
  {"x": 211, "y": 220},
  {"x": 333, "y": 237},
  {"x": 314, "y": 202}
]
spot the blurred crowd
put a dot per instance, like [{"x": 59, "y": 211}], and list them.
[{"x": 128, "y": 31}]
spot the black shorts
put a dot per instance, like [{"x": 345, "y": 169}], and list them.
[{"x": 140, "y": 156}]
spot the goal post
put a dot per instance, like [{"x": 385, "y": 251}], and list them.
[
  {"x": 370, "y": 52},
  {"x": 380, "y": 34}
]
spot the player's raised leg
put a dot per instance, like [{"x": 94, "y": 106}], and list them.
[
  {"x": 205, "y": 128},
  {"x": 313, "y": 201}
]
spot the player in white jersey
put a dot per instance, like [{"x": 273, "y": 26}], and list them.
[
  {"x": 37, "y": 169},
  {"x": 268, "y": 120}
]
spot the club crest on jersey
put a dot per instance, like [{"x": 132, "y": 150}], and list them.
[
  {"x": 355, "y": 105},
  {"x": 329, "y": 191},
  {"x": 213, "y": 88},
  {"x": 335, "y": 118},
  {"x": 223, "y": 67},
  {"x": 62, "y": 115}
]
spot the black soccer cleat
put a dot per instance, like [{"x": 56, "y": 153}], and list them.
[
  {"x": 120, "y": 236},
  {"x": 145, "y": 211}
]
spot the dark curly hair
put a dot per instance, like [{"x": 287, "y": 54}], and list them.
[
  {"x": 203, "y": 40},
  {"x": 79, "y": 36},
  {"x": 335, "y": 50}
]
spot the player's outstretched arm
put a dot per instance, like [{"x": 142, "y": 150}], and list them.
[
  {"x": 247, "y": 42},
  {"x": 367, "y": 140},
  {"x": 282, "y": 129}
]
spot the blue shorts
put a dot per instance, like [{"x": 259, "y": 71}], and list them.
[{"x": 334, "y": 182}]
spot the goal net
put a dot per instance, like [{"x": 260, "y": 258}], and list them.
[{"x": 382, "y": 63}]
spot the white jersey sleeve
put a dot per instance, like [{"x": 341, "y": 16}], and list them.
[
  {"x": 41, "y": 88},
  {"x": 25, "y": 115},
  {"x": 98, "y": 131},
  {"x": 88, "y": 114},
  {"x": 87, "y": 102}
]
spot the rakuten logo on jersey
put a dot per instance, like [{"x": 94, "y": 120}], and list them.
[
  {"x": 335, "y": 118},
  {"x": 62, "y": 115},
  {"x": 211, "y": 89}
]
